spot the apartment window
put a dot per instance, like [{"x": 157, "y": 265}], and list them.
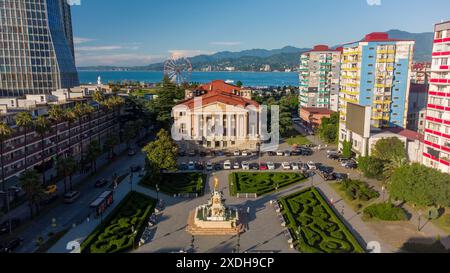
[{"x": 439, "y": 34}]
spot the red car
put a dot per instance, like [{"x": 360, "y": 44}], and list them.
[{"x": 263, "y": 167}]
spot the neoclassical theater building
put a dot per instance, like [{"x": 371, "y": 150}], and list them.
[{"x": 217, "y": 116}]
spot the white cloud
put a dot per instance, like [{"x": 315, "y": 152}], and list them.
[
  {"x": 226, "y": 43},
  {"x": 177, "y": 53},
  {"x": 99, "y": 48},
  {"x": 374, "y": 2},
  {"x": 80, "y": 40},
  {"x": 123, "y": 59}
]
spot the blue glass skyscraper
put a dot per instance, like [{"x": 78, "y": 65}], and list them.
[{"x": 36, "y": 47}]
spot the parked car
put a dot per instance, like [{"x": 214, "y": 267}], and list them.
[
  {"x": 192, "y": 153},
  {"x": 4, "y": 227},
  {"x": 245, "y": 153},
  {"x": 350, "y": 164},
  {"x": 254, "y": 166},
  {"x": 236, "y": 165},
  {"x": 295, "y": 166},
  {"x": 191, "y": 166},
  {"x": 219, "y": 153},
  {"x": 304, "y": 167},
  {"x": 202, "y": 154},
  {"x": 181, "y": 153},
  {"x": 333, "y": 156},
  {"x": 237, "y": 153},
  {"x": 13, "y": 245},
  {"x": 217, "y": 167},
  {"x": 271, "y": 166},
  {"x": 51, "y": 189},
  {"x": 296, "y": 153},
  {"x": 183, "y": 167},
  {"x": 286, "y": 166},
  {"x": 280, "y": 153},
  {"x": 311, "y": 165},
  {"x": 70, "y": 197},
  {"x": 325, "y": 169},
  {"x": 227, "y": 165},
  {"x": 263, "y": 167},
  {"x": 101, "y": 183},
  {"x": 271, "y": 153},
  {"x": 340, "y": 176},
  {"x": 287, "y": 153},
  {"x": 199, "y": 166},
  {"x": 245, "y": 165},
  {"x": 209, "y": 166},
  {"x": 131, "y": 152},
  {"x": 228, "y": 154}
]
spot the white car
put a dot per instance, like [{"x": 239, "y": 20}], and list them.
[
  {"x": 209, "y": 166},
  {"x": 286, "y": 166},
  {"x": 237, "y": 153},
  {"x": 191, "y": 166},
  {"x": 279, "y": 153},
  {"x": 312, "y": 165},
  {"x": 245, "y": 165},
  {"x": 236, "y": 165},
  {"x": 245, "y": 153},
  {"x": 227, "y": 165},
  {"x": 295, "y": 166},
  {"x": 271, "y": 165}
]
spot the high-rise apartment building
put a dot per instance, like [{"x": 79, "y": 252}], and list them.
[
  {"x": 375, "y": 72},
  {"x": 36, "y": 52},
  {"x": 437, "y": 128},
  {"x": 319, "y": 78}
]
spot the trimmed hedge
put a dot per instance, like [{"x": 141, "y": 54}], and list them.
[
  {"x": 115, "y": 234},
  {"x": 175, "y": 183},
  {"x": 320, "y": 229},
  {"x": 261, "y": 183},
  {"x": 358, "y": 190},
  {"x": 385, "y": 212}
]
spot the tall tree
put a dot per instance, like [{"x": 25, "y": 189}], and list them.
[
  {"x": 56, "y": 114},
  {"x": 79, "y": 111},
  {"x": 29, "y": 181},
  {"x": 88, "y": 111},
  {"x": 42, "y": 126},
  {"x": 130, "y": 131},
  {"x": 161, "y": 154},
  {"x": 65, "y": 168},
  {"x": 389, "y": 148},
  {"x": 24, "y": 121},
  {"x": 94, "y": 151},
  {"x": 100, "y": 99},
  {"x": 5, "y": 133},
  {"x": 70, "y": 117}
]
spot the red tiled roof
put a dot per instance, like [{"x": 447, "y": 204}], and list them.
[
  {"x": 409, "y": 134},
  {"x": 313, "y": 110},
  {"x": 223, "y": 97},
  {"x": 378, "y": 37},
  {"x": 219, "y": 85},
  {"x": 324, "y": 48}
]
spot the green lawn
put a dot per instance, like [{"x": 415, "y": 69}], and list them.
[
  {"x": 143, "y": 92},
  {"x": 115, "y": 235},
  {"x": 298, "y": 140},
  {"x": 174, "y": 183},
  {"x": 314, "y": 226},
  {"x": 443, "y": 221},
  {"x": 261, "y": 183}
]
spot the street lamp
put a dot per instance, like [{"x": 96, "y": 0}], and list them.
[
  {"x": 192, "y": 243},
  {"x": 131, "y": 179},
  {"x": 382, "y": 192},
  {"x": 238, "y": 246},
  {"x": 6, "y": 194},
  {"x": 420, "y": 216}
]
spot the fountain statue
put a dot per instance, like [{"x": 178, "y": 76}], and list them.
[{"x": 214, "y": 218}]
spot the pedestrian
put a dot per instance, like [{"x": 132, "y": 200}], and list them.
[
  {"x": 87, "y": 220},
  {"x": 248, "y": 210}
]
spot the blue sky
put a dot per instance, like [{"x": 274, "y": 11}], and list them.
[{"x": 139, "y": 32}]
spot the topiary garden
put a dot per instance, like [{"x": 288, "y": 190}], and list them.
[
  {"x": 314, "y": 226},
  {"x": 177, "y": 183},
  {"x": 122, "y": 228},
  {"x": 261, "y": 183}
]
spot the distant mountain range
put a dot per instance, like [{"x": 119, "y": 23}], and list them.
[{"x": 278, "y": 59}]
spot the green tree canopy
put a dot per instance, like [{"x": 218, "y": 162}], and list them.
[
  {"x": 162, "y": 153},
  {"x": 420, "y": 185},
  {"x": 389, "y": 148},
  {"x": 371, "y": 167}
]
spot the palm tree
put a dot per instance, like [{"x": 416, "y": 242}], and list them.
[
  {"x": 24, "y": 121},
  {"x": 29, "y": 181},
  {"x": 79, "y": 111},
  {"x": 5, "y": 133},
  {"x": 66, "y": 167},
  {"x": 70, "y": 117},
  {"x": 88, "y": 110},
  {"x": 94, "y": 151},
  {"x": 42, "y": 127},
  {"x": 100, "y": 99},
  {"x": 396, "y": 162},
  {"x": 56, "y": 114}
]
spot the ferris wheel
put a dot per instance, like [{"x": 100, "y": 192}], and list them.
[{"x": 178, "y": 70}]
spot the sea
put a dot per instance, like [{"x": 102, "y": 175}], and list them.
[{"x": 252, "y": 79}]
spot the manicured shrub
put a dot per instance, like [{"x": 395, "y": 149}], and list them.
[
  {"x": 262, "y": 183},
  {"x": 358, "y": 190},
  {"x": 385, "y": 212}
]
